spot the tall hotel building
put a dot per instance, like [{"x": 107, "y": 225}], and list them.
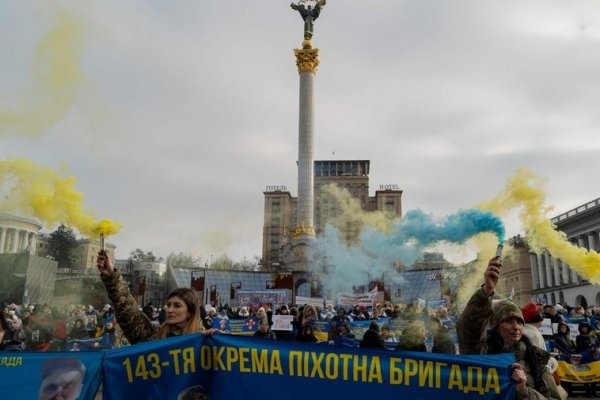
[{"x": 280, "y": 207}]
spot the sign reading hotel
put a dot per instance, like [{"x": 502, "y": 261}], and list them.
[
  {"x": 389, "y": 187},
  {"x": 276, "y": 188}
]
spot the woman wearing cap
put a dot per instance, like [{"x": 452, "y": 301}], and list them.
[
  {"x": 183, "y": 315},
  {"x": 532, "y": 379},
  {"x": 534, "y": 319}
]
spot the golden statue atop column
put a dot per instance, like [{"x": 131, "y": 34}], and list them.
[{"x": 307, "y": 58}]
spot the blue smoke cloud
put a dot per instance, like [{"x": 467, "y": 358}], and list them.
[
  {"x": 455, "y": 228},
  {"x": 377, "y": 253}
]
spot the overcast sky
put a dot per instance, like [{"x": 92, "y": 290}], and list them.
[{"x": 186, "y": 110}]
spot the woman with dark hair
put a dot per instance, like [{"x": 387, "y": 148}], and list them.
[
  {"x": 563, "y": 340},
  {"x": 183, "y": 314},
  {"x": 78, "y": 330},
  {"x": 533, "y": 380},
  {"x": 372, "y": 338},
  {"x": 307, "y": 333}
]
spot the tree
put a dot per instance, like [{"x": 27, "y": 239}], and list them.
[
  {"x": 182, "y": 260},
  {"x": 62, "y": 245},
  {"x": 224, "y": 262},
  {"x": 248, "y": 265},
  {"x": 140, "y": 255}
]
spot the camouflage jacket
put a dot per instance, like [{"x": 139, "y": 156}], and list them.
[
  {"x": 135, "y": 324},
  {"x": 472, "y": 334}
]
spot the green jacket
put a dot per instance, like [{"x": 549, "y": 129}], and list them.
[{"x": 135, "y": 324}]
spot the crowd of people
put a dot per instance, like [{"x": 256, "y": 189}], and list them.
[
  {"x": 39, "y": 327},
  {"x": 487, "y": 326}
]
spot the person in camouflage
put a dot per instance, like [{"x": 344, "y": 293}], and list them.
[
  {"x": 533, "y": 380},
  {"x": 183, "y": 315}
]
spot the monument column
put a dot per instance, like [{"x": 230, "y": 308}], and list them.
[{"x": 307, "y": 60}]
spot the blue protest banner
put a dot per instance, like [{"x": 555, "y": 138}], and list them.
[
  {"x": 44, "y": 376},
  {"x": 161, "y": 369},
  {"x": 196, "y": 366},
  {"x": 261, "y": 368}
]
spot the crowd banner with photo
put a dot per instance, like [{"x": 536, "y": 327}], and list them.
[
  {"x": 245, "y": 326},
  {"x": 260, "y": 298},
  {"x": 365, "y": 299},
  {"x": 222, "y": 324},
  {"x": 311, "y": 301},
  {"x": 196, "y": 365},
  {"x": 37, "y": 375}
]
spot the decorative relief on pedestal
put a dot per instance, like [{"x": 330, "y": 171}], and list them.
[
  {"x": 307, "y": 59},
  {"x": 304, "y": 231}
]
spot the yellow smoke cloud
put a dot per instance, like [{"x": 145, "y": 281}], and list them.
[
  {"x": 39, "y": 191},
  {"x": 526, "y": 190},
  {"x": 350, "y": 211},
  {"x": 57, "y": 75}
]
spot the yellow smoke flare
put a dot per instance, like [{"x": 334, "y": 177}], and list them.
[
  {"x": 57, "y": 75},
  {"x": 350, "y": 212},
  {"x": 41, "y": 192},
  {"x": 525, "y": 190}
]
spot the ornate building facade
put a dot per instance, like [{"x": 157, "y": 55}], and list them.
[
  {"x": 18, "y": 234},
  {"x": 553, "y": 280}
]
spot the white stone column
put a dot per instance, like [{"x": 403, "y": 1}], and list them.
[
  {"x": 16, "y": 240},
  {"x": 580, "y": 243},
  {"x": 562, "y": 268},
  {"x": 535, "y": 274},
  {"x": 13, "y": 240},
  {"x": 556, "y": 271},
  {"x": 22, "y": 241},
  {"x": 305, "y": 152},
  {"x": 33, "y": 249},
  {"x": 574, "y": 276},
  {"x": 593, "y": 240},
  {"x": 549, "y": 272},
  {"x": 2, "y": 239},
  {"x": 541, "y": 272}
]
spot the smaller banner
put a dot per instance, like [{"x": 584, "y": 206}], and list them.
[
  {"x": 579, "y": 373},
  {"x": 282, "y": 323},
  {"x": 261, "y": 298},
  {"x": 311, "y": 301}
]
